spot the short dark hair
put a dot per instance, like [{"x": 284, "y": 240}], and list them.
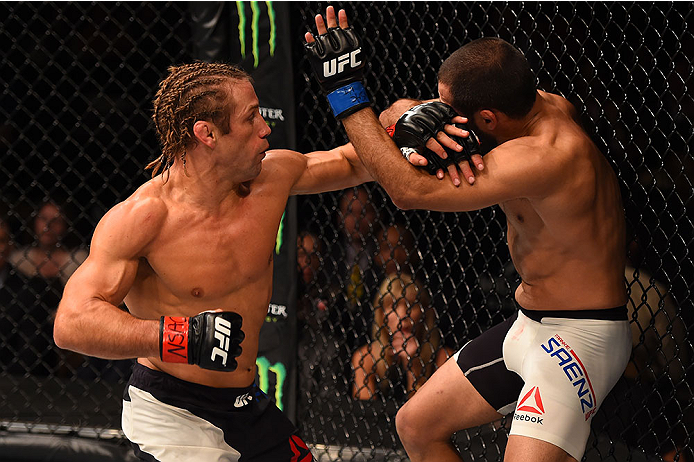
[{"x": 489, "y": 73}]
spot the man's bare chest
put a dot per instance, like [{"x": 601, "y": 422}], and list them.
[
  {"x": 209, "y": 261},
  {"x": 522, "y": 217}
]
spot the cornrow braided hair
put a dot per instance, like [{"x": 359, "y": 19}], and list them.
[{"x": 191, "y": 92}]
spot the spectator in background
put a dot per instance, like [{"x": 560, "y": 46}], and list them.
[
  {"x": 354, "y": 274},
  {"x": 27, "y": 309},
  {"x": 311, "y": 305},
  {"x": 396, "y": 250},
  {"x": 356, "y": 219},
  {"x": 658, "y": 333},
  {"x": 406, "y": 346},
  {"x": 318, "y": 347},
  {"x": 48, "y": 257},
  {"x": 660, "y": 355}
]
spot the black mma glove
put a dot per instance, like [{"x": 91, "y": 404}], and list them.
[
  {"x": 422, "y": 122},
  {"x": 210, "y": 340},
  {"x": 470, "y": 144},
  {"x": 337, "y": 63}
]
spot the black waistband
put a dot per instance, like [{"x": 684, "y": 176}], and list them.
[
  {"x": 166, "y": 387},
  {"x": 618, "y": 313}
]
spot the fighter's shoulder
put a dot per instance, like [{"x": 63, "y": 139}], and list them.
[
  {"x": 133, "y": 223},
  {"x": 561, "y": 103},
  {"x": 284, "y": 162},
  {"x": 544, "y": 153}
]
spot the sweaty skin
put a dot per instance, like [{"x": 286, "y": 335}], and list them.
[
  {"x": 202, "y": 240},
  {"x": 561, "y": 199}
]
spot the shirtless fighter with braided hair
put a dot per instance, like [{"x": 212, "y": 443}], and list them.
[{"x": 190, "y": 254}]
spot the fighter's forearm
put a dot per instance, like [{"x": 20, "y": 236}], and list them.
[
  {"x": 100, "y": 329},
  {"x": 380, "y": 156}
]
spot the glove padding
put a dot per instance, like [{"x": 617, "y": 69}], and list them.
[
  {"x": 336, "y": 59},
  {"x": 422, "y": 122},
  {"x": 210, "y": 340}
]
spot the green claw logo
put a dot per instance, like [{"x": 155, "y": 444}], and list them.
[
  {"x": 255, "y": 22},
  {"x": 265, "y": 368},
  {"x": 278, "y": 239}
]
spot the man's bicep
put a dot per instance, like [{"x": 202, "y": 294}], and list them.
[
  {"x": 108, "y": 279},
  {"x": 332, "y": 170},
  {"x": 118, "y": 242}
]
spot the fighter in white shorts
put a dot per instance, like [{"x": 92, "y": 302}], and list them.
[
  {"x": 565, "y": 231},
  {"x": 553, "y": 368}
]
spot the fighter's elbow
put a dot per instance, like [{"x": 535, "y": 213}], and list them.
[
  {"x": 60, "y": 335},
  {"x": 64, "y": 332},
  {"x": 403, "y": 199}
]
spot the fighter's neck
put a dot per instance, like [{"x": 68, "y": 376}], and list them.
[
  {"x": 208, "y": 189},
  {"x": 527, "y": 125}
]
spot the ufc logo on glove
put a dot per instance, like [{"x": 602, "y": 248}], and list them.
[
  {"x": 201, "y": 339},
  {"x": 337, "y": 65},
  {"x": 334, "y": 59},
  {"x": 222, "y": 332}
]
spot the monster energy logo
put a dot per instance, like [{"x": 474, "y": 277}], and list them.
[
  {"x": 264, "y": 370},
  {"x": 278, "y": 239},
  {"x": 255, "y": 22}
]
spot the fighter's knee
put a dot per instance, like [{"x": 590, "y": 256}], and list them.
[{"x": 406, "y": 425}]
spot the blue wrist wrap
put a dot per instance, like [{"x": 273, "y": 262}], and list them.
[{"x": 348, "y": 99}]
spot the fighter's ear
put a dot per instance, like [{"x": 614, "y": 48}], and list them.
[
  {"x": 204, "y": 133},
  {"x": 488, "y": 119}
]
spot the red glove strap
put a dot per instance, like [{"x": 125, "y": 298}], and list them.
[
  {"x": 390, "y": 130},
  {"x": 174, "y": 339}
]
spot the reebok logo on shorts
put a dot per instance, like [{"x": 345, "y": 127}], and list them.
[
  {"x": 300, "y": 452},
  {"x": 575, "y": 371},
  {"x": 532, "y": 404}
]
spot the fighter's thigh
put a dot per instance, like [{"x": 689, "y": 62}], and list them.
[
  {"x": 167, "y": 433},
  {"x": 559, "y": 398},
  {"x": 525, "y": 449},
  {"x": 446, "y": 403}
]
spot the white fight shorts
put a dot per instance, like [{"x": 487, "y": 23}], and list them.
[{"x": 552, "y": 369}]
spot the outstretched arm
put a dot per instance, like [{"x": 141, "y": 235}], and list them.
[
  {"x": 331, "y": 170},
  {"x": 510, "y": 172},
  {"x": 351, "y": 94}
]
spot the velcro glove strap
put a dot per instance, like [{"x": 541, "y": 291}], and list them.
[
  {"x": 173, "y": 339},
  {"x": 348, "y": 99}
]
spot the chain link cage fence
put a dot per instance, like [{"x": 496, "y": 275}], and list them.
[{"x": 78, "y": 80}]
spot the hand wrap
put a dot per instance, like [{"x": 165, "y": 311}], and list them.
[
  {"x": 422, "y": 122},
  {"x": 210, "y": 340},
  {"x": 336, "y": 59}
]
